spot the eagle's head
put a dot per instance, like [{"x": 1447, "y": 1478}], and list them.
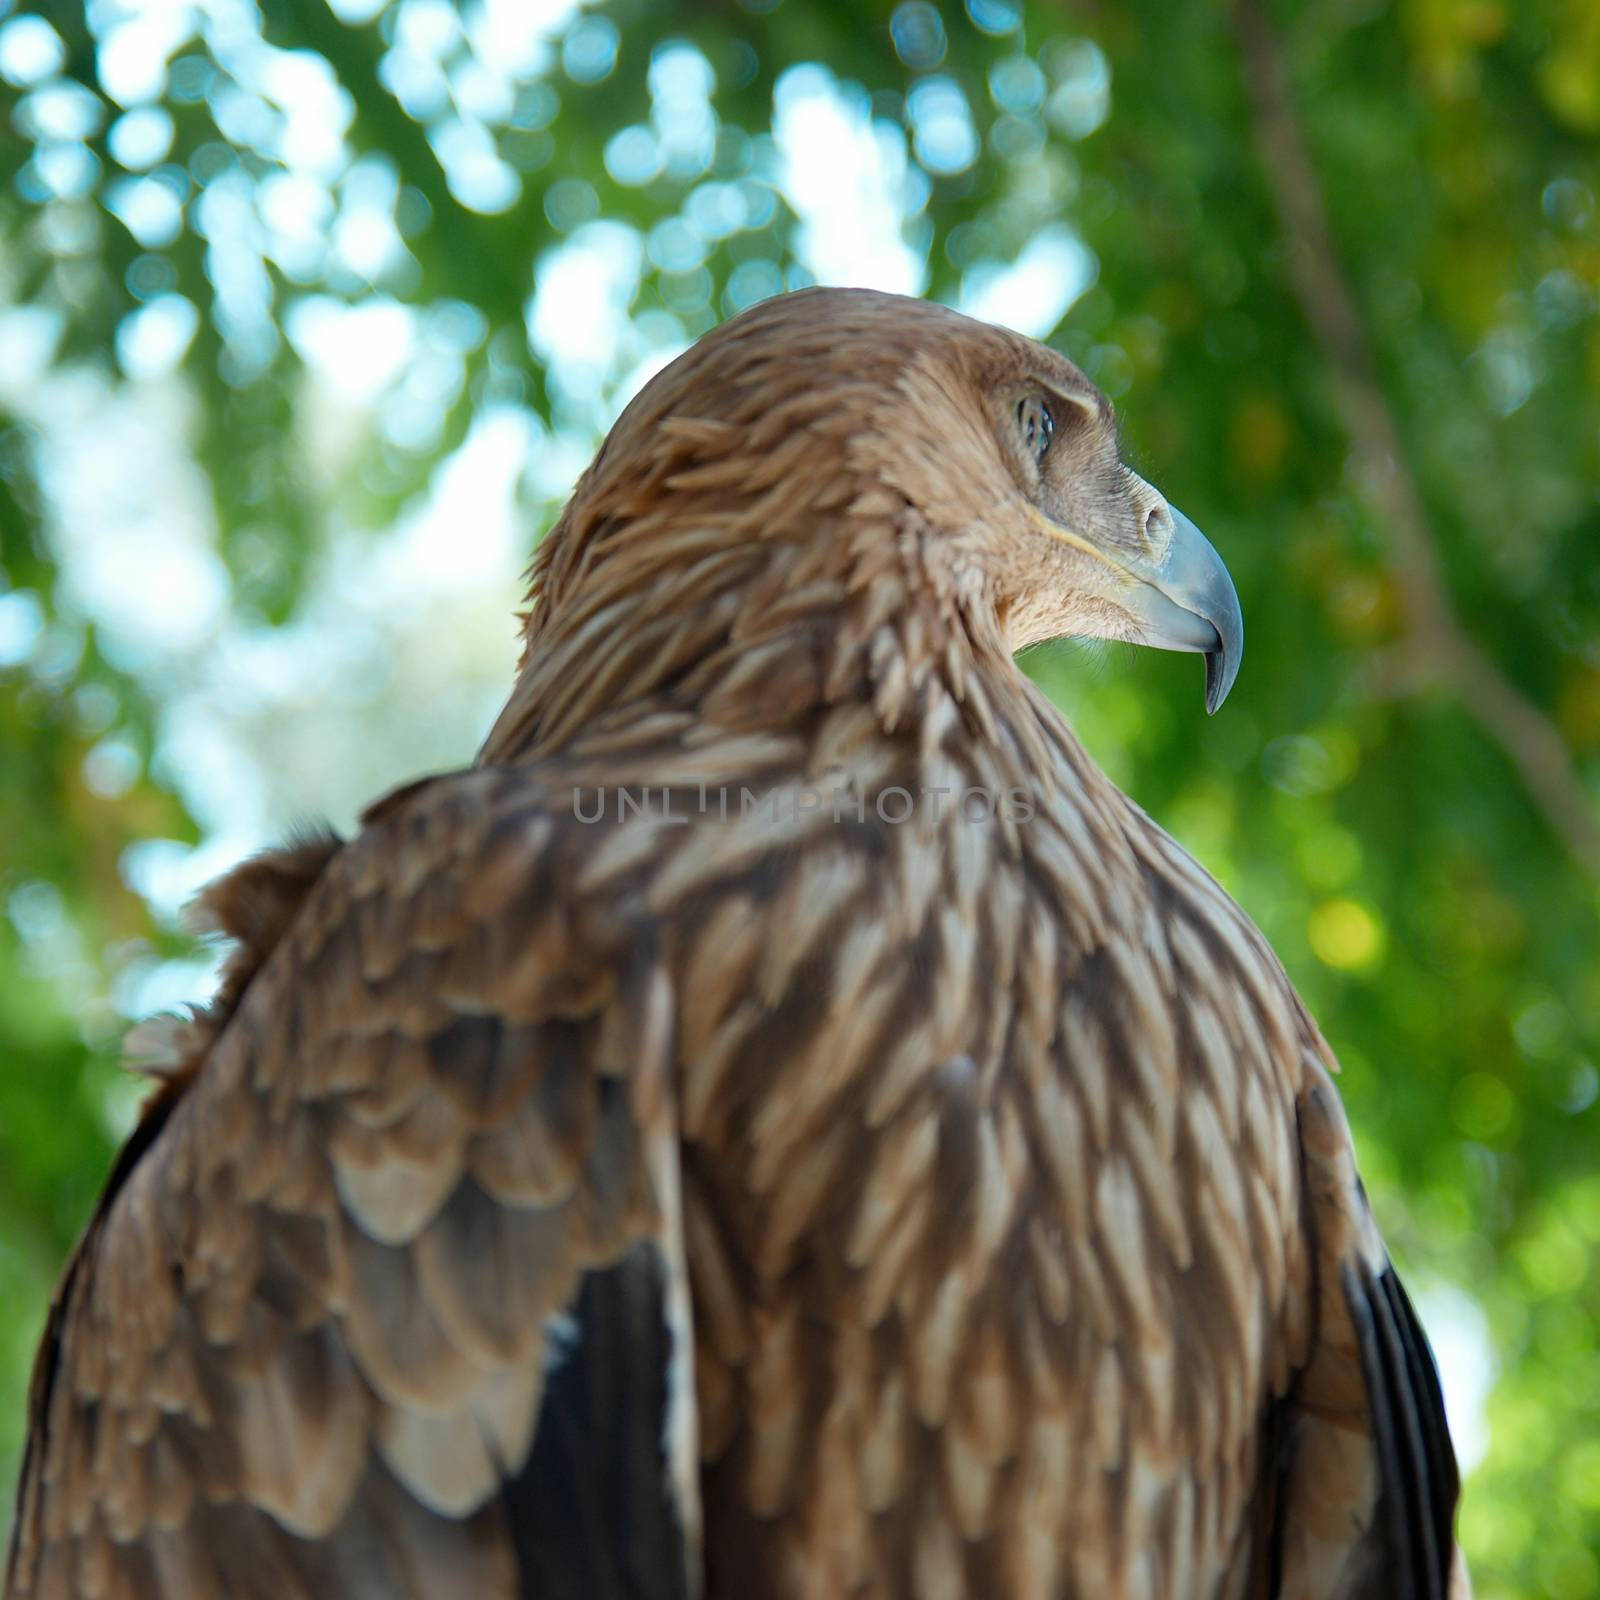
[
  {"x": 1000, "y": 443},
  {"x": 848, "y": 455},
  {"x": 1008, "y": 448}
]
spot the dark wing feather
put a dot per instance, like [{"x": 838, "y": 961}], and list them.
[
  {"x": 587, "y": 1509},
  {"x": 1369, "y": 1486},
  {"x": 1416, "y": 1462}
]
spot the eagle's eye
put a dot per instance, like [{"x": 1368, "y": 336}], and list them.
[{"x": 1036, "y": 425}]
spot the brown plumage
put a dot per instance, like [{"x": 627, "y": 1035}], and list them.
[{"x": 782, "y": 1124}]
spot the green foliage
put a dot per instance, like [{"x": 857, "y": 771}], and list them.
[{"x": 1348, "y": 794}]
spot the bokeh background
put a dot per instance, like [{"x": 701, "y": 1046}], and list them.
[{"x": 310, "y": 313}]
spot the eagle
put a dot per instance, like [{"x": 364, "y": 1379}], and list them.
[{"x": 781, "y": 1123}]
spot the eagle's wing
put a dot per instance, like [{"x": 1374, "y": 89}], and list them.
[
  {"x": 1367, "y": 1496},
  {"x": 389, "y": 1299}
]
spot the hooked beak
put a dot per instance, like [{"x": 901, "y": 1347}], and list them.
[{"x": 1188, "y": 602}]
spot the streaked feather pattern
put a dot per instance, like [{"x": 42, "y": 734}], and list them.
[{"x": 769, "y": 1200}]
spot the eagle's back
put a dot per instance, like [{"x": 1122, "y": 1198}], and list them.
[
  {"x": 991, "y": 1183},
  {"x": 828, "y": 1163}
]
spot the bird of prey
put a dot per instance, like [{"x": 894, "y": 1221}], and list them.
[{"x": 781, "y": 1124}]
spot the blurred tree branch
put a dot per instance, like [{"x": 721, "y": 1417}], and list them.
[{"x": 1438, "y": 647}]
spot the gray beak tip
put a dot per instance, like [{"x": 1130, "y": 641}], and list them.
[
  {"x": 1203, "y": 585},
  {"x": 1221, "y": 669}
]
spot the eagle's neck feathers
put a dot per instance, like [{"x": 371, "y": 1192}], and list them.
[{"x": 757, "y": 613}]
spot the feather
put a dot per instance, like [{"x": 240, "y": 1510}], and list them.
[{"x": 1415, "y": 1461}]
